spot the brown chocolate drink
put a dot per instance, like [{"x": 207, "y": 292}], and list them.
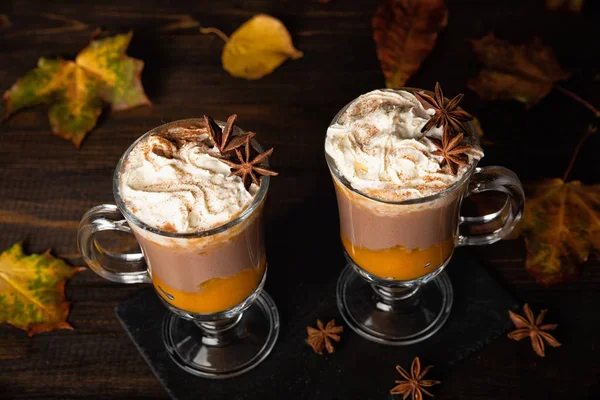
[
  {"x": 199, "y": 226},
  {"x": 398, "y": 202}
]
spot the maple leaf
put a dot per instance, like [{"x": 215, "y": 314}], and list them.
[
  {"x": 574, "y": 6},
  {"x": 405, "y": 32},
  {"x": 32, "y": 290},
  {"x": 257, "y": 47},
  {"x": 561, "y": 226},
  {"x": 525, "y": 73},
  {"x": 76, "y": 90}
]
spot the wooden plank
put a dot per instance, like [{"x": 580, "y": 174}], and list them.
[{"x": 46, "y": 185}]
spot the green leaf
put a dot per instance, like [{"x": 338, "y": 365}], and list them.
[
  {"x": 32, "y": 290},
  {"x": 37, "y": 86},
  {"x": 75, "y": 91},
  {"x": 120, "y": 73},
  {"x": 77, "y": 106}
]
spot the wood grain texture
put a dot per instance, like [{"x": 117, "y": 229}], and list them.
[{"x": 46, "y": 185}]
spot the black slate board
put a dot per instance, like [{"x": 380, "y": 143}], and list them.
[{"x": 358, "y": 369}]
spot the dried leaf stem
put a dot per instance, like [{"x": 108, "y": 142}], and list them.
[
  {"x": 218, "y": 32},
  {"x": 578, "y": 99},
  {"x": 591, "y": 129}
]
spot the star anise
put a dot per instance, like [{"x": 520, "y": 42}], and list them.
[
  {"x": 248, "y": 168},
  {"x": 321, "y": 337},
  {"x": 453, "y": 151},
  {"x": 446, "y": 113},
  {"x": 413, "y": 385},
  {"x": 222, "y": 138},
  {"x": 534, "y": 329}
]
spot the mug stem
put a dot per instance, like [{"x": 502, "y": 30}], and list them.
[
  {"x": 394, "y": 294},
  {"x": 396, "y": 314},
  {"x": 215, "y": 328},
  {"x": 224, "y": 347}
]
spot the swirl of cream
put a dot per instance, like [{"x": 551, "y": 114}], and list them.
[
  {"x": 181, "y": 189},
  {"x": 377, "y": 145}
]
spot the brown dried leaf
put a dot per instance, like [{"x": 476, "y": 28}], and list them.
[
  {"x": 574, "y": 6},
  {"x": 561, "y": 226},
  {"x": 405, "y": 32},
  {"x": 525, "y": 73}
]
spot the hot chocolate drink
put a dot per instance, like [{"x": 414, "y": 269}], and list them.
[
  {"x": 178, "y": 180},
  {"x": 382, "y": 165},
  {"x": 401, "y": 161},
  {"x": 192, "y": 192}
]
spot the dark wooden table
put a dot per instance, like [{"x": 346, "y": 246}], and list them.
[{"x": 46, "y": 185}]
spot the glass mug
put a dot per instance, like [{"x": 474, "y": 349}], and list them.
[
  {"x": 394, "y": 289},
  {"x": 219, "y": 328}
]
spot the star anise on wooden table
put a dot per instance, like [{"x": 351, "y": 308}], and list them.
[
  {"x": 453, "y": 151},
  {"x": 222, "y": 138},
  {"x": 321, "y": 337},
  {"x": 248, "y": 168},
  {"x": 414, "y": 385},
  {"x": 446, "y": 112},
  {"x": 533, "y": 328}
]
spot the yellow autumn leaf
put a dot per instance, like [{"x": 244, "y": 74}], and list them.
[
  {"x": 257, "y": 47},
  {"x": 121, "y": 74},
  {"x": 76, "y": 108},
  {"x": 32, "y": 290},
  {"x": 561, "y": 226},
  {"x": 76, "y": 90}
]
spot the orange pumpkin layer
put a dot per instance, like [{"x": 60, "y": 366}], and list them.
[
  {"x": 399, "y": 262},
  {"x": 214, "y": 295}
]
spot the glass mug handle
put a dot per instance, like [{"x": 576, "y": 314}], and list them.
[
  {"x": 122, "y": 268},
  {"x": 500, "y": 223}
]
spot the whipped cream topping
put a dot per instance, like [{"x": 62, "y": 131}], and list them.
[
  {"x": 377, "y": 145},
  {"x": 173, "y": 181}
]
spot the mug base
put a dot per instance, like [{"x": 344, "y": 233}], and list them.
[
  {"x": 398, "y": 322},
  {"x": 228, "y": 353}
]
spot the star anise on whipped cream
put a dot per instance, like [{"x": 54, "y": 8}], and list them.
[
  {"x": 533, "y": 328},
  {"x": 453, "y": 151},
  {"x": 248, "y": 168},
  {"x": 223, "y": 138},
  {"x": 321, "y": 337},
  {"x": 446, "y": 112}
]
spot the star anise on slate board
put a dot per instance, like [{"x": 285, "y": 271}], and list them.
[
  {"x": 414, "y": 385},
  {"x": 446, "y": 112},
  {"x": 248, "y": 168},
  {"x": 533, "y": 328},
  {"x": 321, "y": 337},
  {"x": 453, "y": 151},
  {"x": 222, "y": 138}
]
